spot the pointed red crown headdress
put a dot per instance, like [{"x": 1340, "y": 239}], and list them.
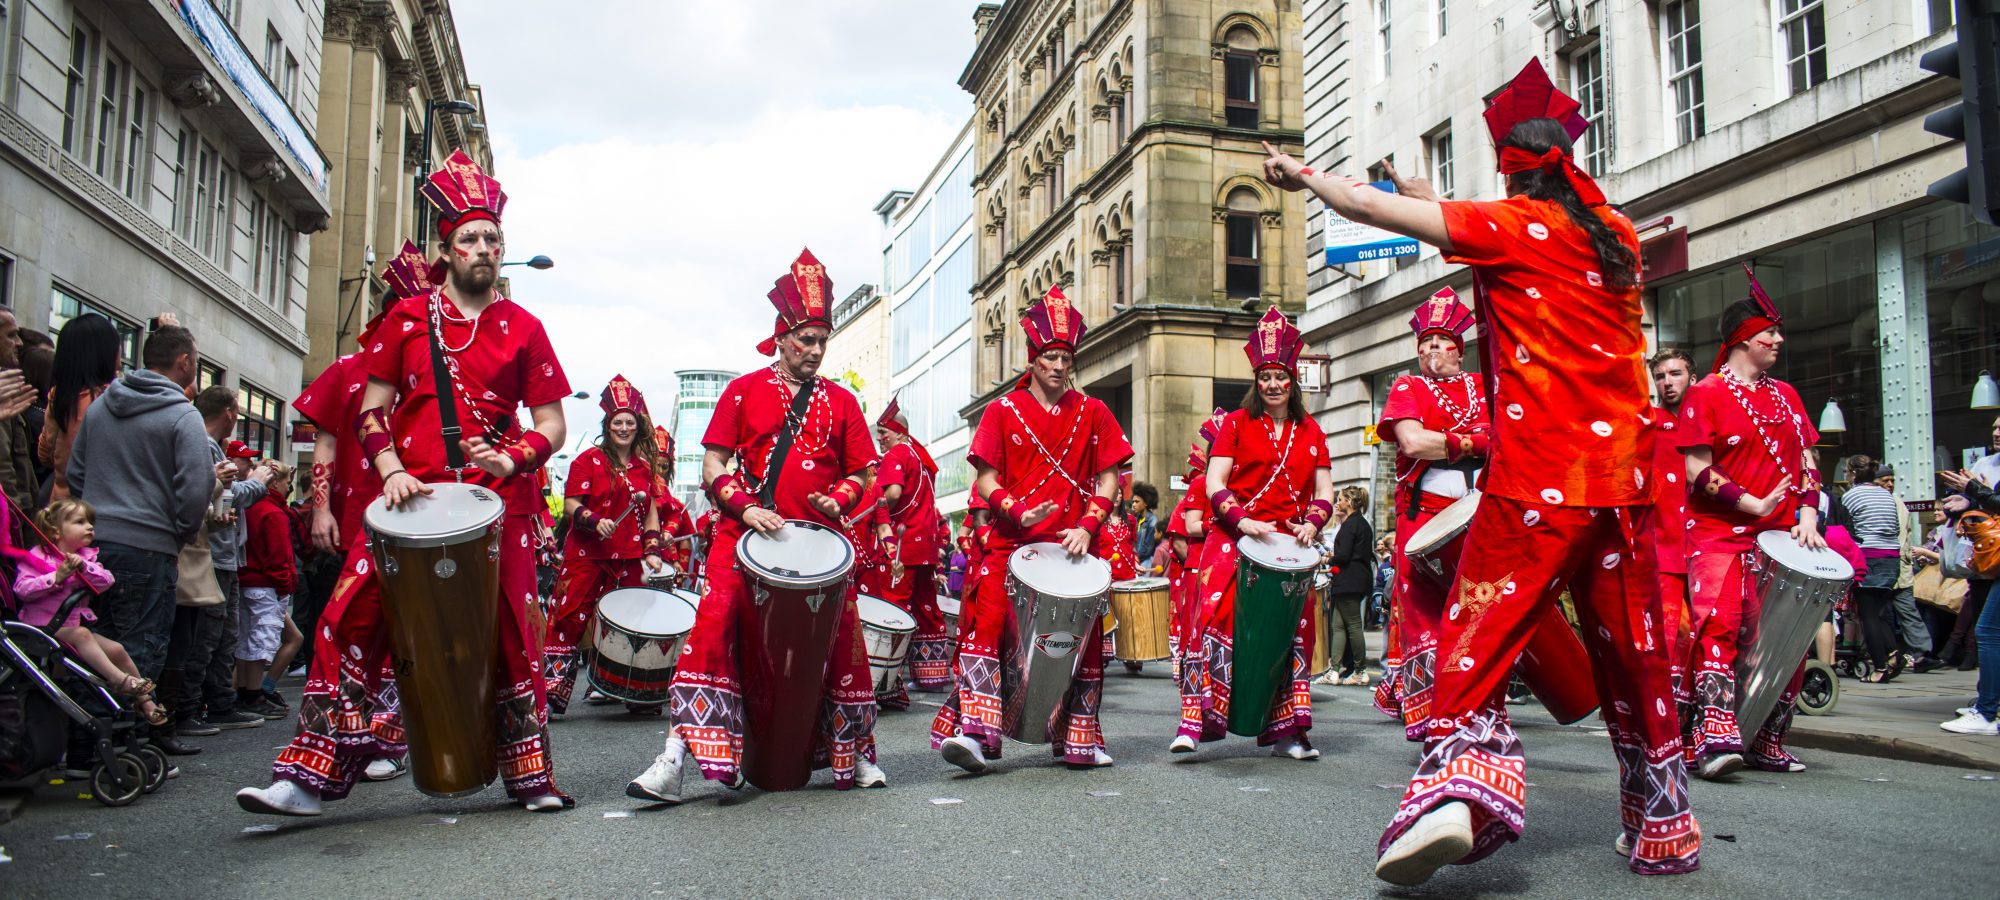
[
  {"x": 892, "y": 418},
  {"x": 1764, "y": 315},
  {"x": 1531, "y": 95},
  {"x": 1274, "y": 342},
  {"x": 1212, "y": 429},
  {"x": 621, "y": 396},
  {"x": 802, "y": 297},
  {"x": 1443, "y": 314},
  {"x": 1053, "y": 323},
  {"x": 407, "y": 275},
  {"x": 664, "y": 440},
  {"x": 462, "y": 193}
]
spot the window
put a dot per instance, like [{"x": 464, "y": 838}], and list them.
[
  {"x": 228, "y": 9},
  {"x": 1943, "y": 15},
  {"x": 1121, "y": 271},
  {"x": 184, "y": 205},
  {"x": 260, "y": 244},
  {"x": 951, "y": 292},
  {"x": 952, "y": 203},
  {"x": 274, "y": 48},
  {"x": 278, "y": 276},
  {"x": 6, "y": 277},
  {"x": 1444, "y": 17},
  {"x": 221, "y": 224},
  {"x": 1382, "y": 33},
  {"x": 1804, "y": 25},
  {"x": 206, "y": 374},
  {"x": 109, "y": 126},
  {"x": 201, "y": 231},
  {"x": 1681, "y": 23},
  {"x": 1239, "y": 75},
  {"x": 261, "y": 415},
  {"x": 76, "y": 94},
  {"x": 1438, "y": 145},
  {"x": 1243, "y": 276},
  {"x": 1587, "y": 82},
  {"x": 291, "y": 82},
  {"x": 951, "y": 388},
  {"x": 138, "y": 153},
  {"x": 67, "y": 305},
  {"x": 1119, "y": 121},
  {"x": 910, "y": 329}
]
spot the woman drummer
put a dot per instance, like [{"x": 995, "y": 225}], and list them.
[
  {"x": 613, "y": 523},
  {"x": 676, "y": 528},
  {"x": 1267, "y": 472}
]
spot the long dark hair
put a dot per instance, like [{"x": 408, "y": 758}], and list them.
[
  {"x": 1295, "y": 405},
  {"x": 86, "y": 360},
  {"x": 1617, "y": 260}
]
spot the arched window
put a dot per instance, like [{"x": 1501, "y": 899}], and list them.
[
  {"x": 1243, "y": 245},
  {"x": 1239, "y": 79}
]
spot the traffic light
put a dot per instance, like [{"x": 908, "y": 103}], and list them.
[{"x": 1974, "y": 60}]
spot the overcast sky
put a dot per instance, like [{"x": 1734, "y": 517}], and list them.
[{"x": 672, "y": 157}]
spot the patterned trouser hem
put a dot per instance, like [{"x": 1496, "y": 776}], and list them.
[
  {"x": 930, "y": 665},
  {"x": 1291, "y": 709},
  {"x": 1415, "y": 680},
  {"x": 1713, "y": 727},
  {"x": 559, "y": 671}
]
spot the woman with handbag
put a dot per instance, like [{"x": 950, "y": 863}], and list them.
[{"x": 1976, "y": 508}]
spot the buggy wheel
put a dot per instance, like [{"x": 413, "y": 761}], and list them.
[
  {"x": 156, "y": 766},
  {"x": 1820, "y": 690},
  {"x": 1860, "y": 667},
  {"x": 121, "y": 782}
]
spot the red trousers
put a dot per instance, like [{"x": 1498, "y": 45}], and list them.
[
  {"x": 1207, "y": 690},
  {"x": 582, "y": 583},
  {"x": 929, "y": 662},
  {"x": 1680, "y": 634},
  {"x": 1726, "y": 613},
  {"x": 1184, "y": 593},
  {"x": 706, "y": 699},
  {"x": 1418, "y": 608},
  {"x": 1517, "y": 558},
  {"x": 337, "y": 731}
]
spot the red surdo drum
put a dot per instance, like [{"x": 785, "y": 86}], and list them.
[{"x": 797, "y": 579}]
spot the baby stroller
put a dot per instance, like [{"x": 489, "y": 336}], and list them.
[{"x": 44, "y": 690}]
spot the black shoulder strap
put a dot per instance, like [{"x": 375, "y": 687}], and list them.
[
  {"x": 447, "y": 399},
  {"x": 786, "y": 433}
]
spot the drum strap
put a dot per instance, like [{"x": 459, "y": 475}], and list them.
[
  {"x": 447, "y": 402},
  {"x": 801, "y": 401}
]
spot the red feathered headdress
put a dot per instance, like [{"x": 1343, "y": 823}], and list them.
[
  {"x": 1052, "y": 323},
  {"x": 892, "y": 419},
  {"x": 463, "y": 193},
  {"x": 408, "y": 275},
  {"x": 1442, "y": 314},
  {"x": 1276, "y": 342},
  {"x": 802, "y": 297}
]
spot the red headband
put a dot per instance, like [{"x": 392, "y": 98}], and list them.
[
  {"x": 1768, "y": 317},
  {"x": 1515, "y": 159}
]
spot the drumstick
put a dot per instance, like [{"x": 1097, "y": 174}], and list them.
[{"x": 638, "y": 500}]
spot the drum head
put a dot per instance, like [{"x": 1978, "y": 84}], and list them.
[
  {"x": 1279, "y": 551},
  {"x": 693, "y": 599},
  {"x": 800, "y": 555},
  {"x": 1050, "y": 569},
  {"x": 647, "y": 611},
  {"x": 1822, "y": 563},
  {"x": 1447, "y": 524},
  {"x": 947, "y": 605},
  {"x": 448, "y": 515},
  {"x": 1139, "y": 585},
  {"x": 882, "y": 614}
]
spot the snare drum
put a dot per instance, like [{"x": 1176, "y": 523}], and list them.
[
  {"x": 1322, "y": 661},
  {"x": 638, "y": 635},
  {"x": 1274, "y": 575},
  {"x": 1433, "y": 549},
  {"x": 1057, "y": 598},
  {"x": 1796, "y": 588},
  {"x": 797, "y": 580},
  {"x": 949, "y": 608},
  {"x": 1145, "y": 618},
  {"x": 439, "y": 561},
  {"x": 886, "y": 631}
]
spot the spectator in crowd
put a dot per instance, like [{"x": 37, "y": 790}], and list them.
[
  {"x": 270, "y": 576},
  {"x": 17, "y": 467},
  {"x": 86, "y": 363},
  {"x": 1146, "y": 499},
  {"x": 1962, "y": 648},
  {"x": 1874, "y": 517},
  {"x": 36, "y": 340},
  {"x": 1353, "y": 578},
  {"x": 38, "y": 369},
  {"x": 141, "y": 459},
  {"x": 209, "y": 702},
  {"x": 49, "y": 575},
  {"x": 1968, "y": 493},
  {"x": 954, "y": 576},
  {"x": 1385, "y": 577}
]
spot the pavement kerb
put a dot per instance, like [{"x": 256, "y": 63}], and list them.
[{"x": 1885, "y": 748}]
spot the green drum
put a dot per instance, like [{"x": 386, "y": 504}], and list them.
[{"x": 1274, "y": 574}]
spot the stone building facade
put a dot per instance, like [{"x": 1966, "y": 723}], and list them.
[{"x": 1117, "y": 154}]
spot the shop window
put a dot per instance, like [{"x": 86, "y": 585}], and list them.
[{"x": 260, "y": 419}]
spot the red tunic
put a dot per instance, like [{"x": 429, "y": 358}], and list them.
[
  {"x": 331, "y": 402},
  {"x": 1756, "y": 454},
  {"x": 914, "y": 517},
  {"x": 504, "y": 361},
  {"x": 1273, "y": 464},
  {"x": 1115, "y": 545},
  {"x": 1047, "y": 455},
  {"x": 608, "y": 495},
  {"x": 1572, "y": 422},
  {"x": 674, "y": 522},
  {"x": 1670, "y": 496},
  {"x": 833, "y": 444},
  {"x": 1455, "y": 404}
]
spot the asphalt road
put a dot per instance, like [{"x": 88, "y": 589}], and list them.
[{"x": 1229, "y": 821}]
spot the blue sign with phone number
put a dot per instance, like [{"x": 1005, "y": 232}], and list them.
[{"x": 1352, "y": 242}]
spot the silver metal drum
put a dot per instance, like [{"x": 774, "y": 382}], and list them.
[
  {"x": 1795, "y": 589},
  {"x": 1057, "y": 598}
]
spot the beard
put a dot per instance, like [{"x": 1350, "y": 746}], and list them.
[{"x": 476, "y": 279}]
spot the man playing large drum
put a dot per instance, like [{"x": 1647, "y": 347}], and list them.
[
  {"x": 1267, "y": 474},
  {"x": 1437, "y": 421},
  {"x": 1745, "y": 435},
  {"x": 496, "y": 358},
  {"x": 613, "y": 525},
  {"x": 1046, "y": 459},
  {"x": 1566, "y": 493},
  {"x": 818, "y": 477},
  {"x": 907, "y": 532}
]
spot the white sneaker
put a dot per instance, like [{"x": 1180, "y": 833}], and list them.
[
  {"x": 1965, "y": 710},
  {"x": 868, "y": 774},
  {"x": 543, "y": 803},
  {"x": 1329, "y": 679},
  {"x": 282, "y": 798},
  {"x": 661, "y": 782},
  {"x": 1296, "y": 748},
  {"x": 1442, "y": 837},
  {"x": 1182, "y": 744},
  {"x": 1623, "y": 845},
  {"x": 596, "y": 698},
  {"x": 1098, "y": 760},
  {"x": 386, "y": 769},
  {"x": 1972, "y": 723},
  {"x": 1718, "y": 765},
  {"x": 964, "y": 753},
  {"x": 296, "y": 672}
]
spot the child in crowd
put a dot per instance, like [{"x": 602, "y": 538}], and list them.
[
  {"x": 49, "y": 575},
  {"x": 270, "y": 576}
]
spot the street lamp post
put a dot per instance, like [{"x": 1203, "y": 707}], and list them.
[
  {"x": 453, "y": 107},
  {"x": 533, "y": 262}
]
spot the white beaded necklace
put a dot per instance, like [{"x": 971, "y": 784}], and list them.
[
  {"x": 1743, "y": 391},
  {"x": 1461, "y": 417}
]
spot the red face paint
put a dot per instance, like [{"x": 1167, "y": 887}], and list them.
[
  {"x": 1768, "y": 345},
  {"x": 462, "y": 252}
]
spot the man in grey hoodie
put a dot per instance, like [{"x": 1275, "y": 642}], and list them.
[{"x": 141, "y": 458}]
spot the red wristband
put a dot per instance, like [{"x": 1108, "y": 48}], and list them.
[
  {"x": 845, "y": 494},
  {"x": 1712, "y": 482},
  {"x": 1459, "y": 445},
  {"x": 373, "y": 427},
  {"x": 1319, "y": 512},
  {"x": 529, "y": 453},
  {"x": 586, "y": 518},
  {"x": 1002, "y": 502},
  {"x": 730, "y": 497},
  {"x": 1093, "y": 518}
]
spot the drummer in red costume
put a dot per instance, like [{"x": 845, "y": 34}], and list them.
[
  {"x": 343, "y": 484},
  {"x": 675, "y": 527},
  {"x": 1187, "y": 530},
  {"x": 1673, "y": 374},
  {"x": 614, "y": 533},
  {"x": 1046, "y": 459},
  {"x": 1567, "y": 497},
  {"x": 1745, "y": 435},
  {"x": 1264, "y": 476},
  {"x": 1436, "y": 419},
  {"x": 907, "y": 531},
  {"x": 498, "y": 359},
  {"x": 820, "y": 479}
]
